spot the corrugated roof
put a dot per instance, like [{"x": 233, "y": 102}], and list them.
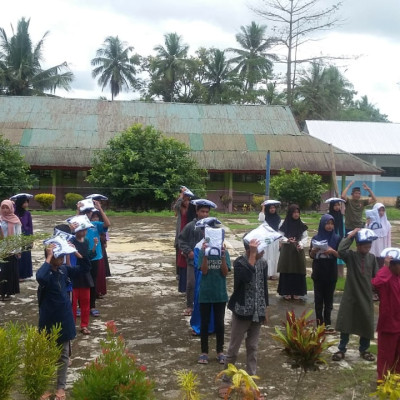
[
  {"x": 65, "y": 133},
  {"x": 358, "y": 137}
]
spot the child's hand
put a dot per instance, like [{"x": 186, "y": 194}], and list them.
[
  {"x": 97, "y": 204},
  {"x": 79, "y": 205},
  {"x": 49, "y": 250},
  {"x": 96, "y": 240},
  {"x": 254, "y": 243},
  {"x": 353, "y": 232}
]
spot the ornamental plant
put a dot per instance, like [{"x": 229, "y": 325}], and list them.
[
  {"x": 389, "y": 387},
  {"x": 114, "y": 374},
  {"x": 45, "y": 200},
  {"x": 302, "y": 341},
  {"x": 188, "y": 384},
  {"x": 243, "y": 385},
  {"x": 41, "y": 353},
  {"x": 71, "y": 199},
  {"x": 9, "y": 358}
]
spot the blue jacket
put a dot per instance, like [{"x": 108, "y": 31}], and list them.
[{"x": 55, "y": 305}]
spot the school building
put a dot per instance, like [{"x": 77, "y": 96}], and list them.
[
  {"x": 377, "y": 143},
  {"x": 59, "y": 137}
]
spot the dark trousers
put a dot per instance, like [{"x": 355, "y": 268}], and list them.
[
  {"x": 219, "y": 317},
  {"x": 93, "y": 290},
  {"x": 344, "y": 339},
  {"x": 323, "y": 298}
]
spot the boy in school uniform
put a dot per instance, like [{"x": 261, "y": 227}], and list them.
[{"x": 356, "y": 311}]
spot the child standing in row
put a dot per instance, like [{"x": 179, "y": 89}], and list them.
[
  {"x": 213, "y": 296},
  {"x": 387, "y": 283},
  {"x": 292, "y": 261},
  {"x": 356, "y": 311},
  {"x": 324, "y": 269}
]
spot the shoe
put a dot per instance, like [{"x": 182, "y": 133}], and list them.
[
  {"x": 94, "y": 313},
  {"x": 203, "y": 359},
  {"x": 221, "y": 358},
  {"x": 85, "y": 331}
]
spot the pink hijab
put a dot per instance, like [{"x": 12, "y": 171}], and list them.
[{"x": 9, "y": 216}]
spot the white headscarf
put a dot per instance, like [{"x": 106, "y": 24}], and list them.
[{"x": 386, "y": 226}]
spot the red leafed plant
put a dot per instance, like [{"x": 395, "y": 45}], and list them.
[
  {"x": 302, "y": 341},
  {"x": 114, "y": 374}
]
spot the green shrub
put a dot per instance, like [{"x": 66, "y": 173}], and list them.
[
  {"x": 41, "y": 355},
  {"x": 45, "y": 200},
  {"x": 9, "y": 358},
  {"x": 71, "y": 199},
  {"x": 114, "y": 374},
  {"x": 389, "y": 387},
  {"x": 257, "y": 200}
]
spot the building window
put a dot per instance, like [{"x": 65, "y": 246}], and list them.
[
  {"x": 216, "y": 177},
  {"x": 67, "y": 174},
  {"x": 248, "y": 178},
  {"x": 391, "y": 171},
  {"x": 44, "y": 173}
]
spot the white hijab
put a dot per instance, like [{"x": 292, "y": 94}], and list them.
[{"x": 386, "y": 226}]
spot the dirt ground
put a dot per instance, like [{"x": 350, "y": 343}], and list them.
[{"x": 144, "y": 302}]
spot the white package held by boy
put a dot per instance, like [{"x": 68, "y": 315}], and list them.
[
  {"x": 79, "y": 223},
  {"x": 214, "y": 238},
  {"x": 393, "y": 252},
  {"x": 86, "y": 204},
  {"x": 264, "y": 234},
  {"x": 66, "y": 236},
  {"x": 62, "y": 247}
]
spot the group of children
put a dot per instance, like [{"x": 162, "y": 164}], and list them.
[
  {"x": 286, "y": 258},
  {"x": 74, "y": 256}
]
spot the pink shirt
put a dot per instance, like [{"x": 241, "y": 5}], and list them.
[{"x": 388, "y": 287}]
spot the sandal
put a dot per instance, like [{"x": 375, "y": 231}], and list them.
[
  {"x": 60, "y": 395},
  {"x": 203, "y": 359},
  {"x": 338, "y": 356},
  {"x": 187, "y": 312},
  {"x": 287, "y": 297},
  {"x": 221, "y": 358},
  {"x": 223, "y": 392},
  {"x": 46, "y": 396},
  {"x": 85, "y": 331},
  {"x": 366, "y": 355},
  {"x": 94, "y": 312}
]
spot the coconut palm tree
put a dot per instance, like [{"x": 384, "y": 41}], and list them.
[
  {"x": 115, "y": 66},
  {"x": 253, "y": 62},
  {"x": 219, "y": 77},
  {"x": 167, "y": 66},
  {"x": 21, "y": 73}
]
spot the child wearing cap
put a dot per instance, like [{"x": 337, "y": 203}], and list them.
[
  {"x": 356, "y": 311},
  {"x": 55, "y": 306},
  {"x": 387, "y": 283},
  {"x": 187, "y": 240},
  {"x": 355, "y": 205}
]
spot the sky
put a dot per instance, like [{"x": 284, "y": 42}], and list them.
[{"x": 368, "y": 36}]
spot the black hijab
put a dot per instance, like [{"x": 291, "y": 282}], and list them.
[
  {"x": 293, "y": 227},
  {"x": 338, "y": 218},
  {"x": 272, "y": 219}
]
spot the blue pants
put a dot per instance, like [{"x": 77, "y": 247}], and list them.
[{"x": 344, "y": 339}]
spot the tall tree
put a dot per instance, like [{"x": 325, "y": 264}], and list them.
[
  {"x": 253, "y": 62},
  {"x": 116, "y": 66},
  {"x": 297, "y": 21},
  {"x": 167, "y": 67},
  {"x": 363, "y": 110},
  {"x": 322, "y": 93},
  {"x": 219, "y": 78},
  {"x": 21, "y": 73},
  {"x": 141, "y": 168}
]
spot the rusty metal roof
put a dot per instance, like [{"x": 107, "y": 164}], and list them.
[{"x": 65, "y": 133}]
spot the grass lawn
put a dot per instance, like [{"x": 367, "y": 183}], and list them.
[{"x": 339, "y": 284}]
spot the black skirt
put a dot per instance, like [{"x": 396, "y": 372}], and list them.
[
  {"x": 9, "y": 276},
  {"x": 292, "y": 284}
]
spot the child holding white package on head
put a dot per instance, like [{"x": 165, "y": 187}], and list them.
[{"x": 214, "y": 263}]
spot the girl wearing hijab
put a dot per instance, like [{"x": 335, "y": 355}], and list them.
[
  {"x": 25, "y": 262},
  {"x": 384, "y": 234},
  {"x": 292, "y": 261},
  {"x": 10, "y": 225},
  {"x": 269, "y": 214},
  {"x": 324, "y": 269},
  {"x": 335, "y": 209}
]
